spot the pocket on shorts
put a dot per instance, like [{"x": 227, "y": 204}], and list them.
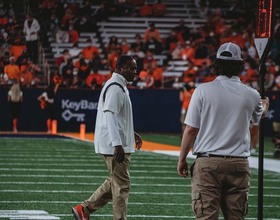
[
  {"x": 197, "y": 204},
  {"x": 243, "y": 201}
]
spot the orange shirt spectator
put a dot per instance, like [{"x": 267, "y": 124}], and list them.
[
  {"x": 149, "y": 62},
  {"x": 56, "y": 77},
  {"x": 73, "y": 35},
  {"x": 201, "y": 53},
  {"x": 248, "y": 74},
  {"x": 150, "y": 81},
  {"x": 219, "y": 24},
  {"x": 81, "y": 63},
  {"x": 158, "y": 73},
  {"x": 158, "y": 76},
  {"x": 226, "y": 37},
  {"x": 113, "y": 60},
  {"x": 113, "y": 44},
  {"x": 145, "y": 10},
  {"x": 67, "y": 17},
  {"x": 26, "y": 78},
  {"x": 113, "y": 57},
  {"x": 152, "y": 32},
  {"x": 16, "y": 50},
  {"x": 190, "y": 74},
  {"x": 12, "y": 70},
  {"x": 89, "y": 52},
  {"x": 159, "y": 9},
  {"x": 142, "y": 75},
  {"x": 172, "y": 40},
  {"x": 234, "y": 37},
  {"x": 188, "y": 52},
  {"x": 95, "y": 80},
  {"x": 125, "y": 46},
  {"x": 238, "y": 39},
  {"x": 4, "y": 21},
  {"x": 186, "y": 97},
  {"x": 83, "y": 67}
]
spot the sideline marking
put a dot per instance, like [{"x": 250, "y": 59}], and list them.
[{"x": 27, "y": 214}]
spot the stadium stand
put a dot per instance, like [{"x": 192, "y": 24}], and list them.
[
  {"x": 209, "y": 25},
  {"x": 127, "y": 27}
]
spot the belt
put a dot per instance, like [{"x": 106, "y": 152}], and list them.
[
  {"x": 112, "y": 155},
  {"x": 214, "y": 155}
]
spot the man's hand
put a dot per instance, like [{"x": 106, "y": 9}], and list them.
[
  {"x": 182, "y": 168},
  {"x": 188, "y": 140},
  {"x": 119, "y": 154},
  {"x": 265, "y": 103},
  {"x": 138, "y": 141}
]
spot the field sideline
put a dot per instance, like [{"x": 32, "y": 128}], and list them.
[
  {"x": 269, "y": 164},
  {"x": 41, "y": 178}
]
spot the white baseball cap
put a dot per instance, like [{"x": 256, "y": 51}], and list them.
[{"x": 229, "y": 51}]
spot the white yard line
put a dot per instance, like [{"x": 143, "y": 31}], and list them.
[
  {"x": 27, "y": 214},
  {"x": 133, "y": 184},
  {"x": 90, "y": 177},
  {"x": 130, "y": 203},
  {"x": 133, "y": 193}
]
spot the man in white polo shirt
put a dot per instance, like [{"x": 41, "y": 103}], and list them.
[
  {"x": 217, "y": 129},
  {"x": 115, "y": 140}
]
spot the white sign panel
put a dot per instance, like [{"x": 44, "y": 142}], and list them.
[{"x": 260, "y": 44}]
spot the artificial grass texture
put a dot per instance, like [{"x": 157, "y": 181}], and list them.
[
  {"x": 175, "y": 140},
  {"x": 55, "y": 174}
]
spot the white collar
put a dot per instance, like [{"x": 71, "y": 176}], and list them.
[
  {"x": 233, "y": 78},
  {"x": 120, "y": 77}
]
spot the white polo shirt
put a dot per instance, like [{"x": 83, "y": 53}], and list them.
[
  {"x": 117, "y": 102},
  {"x": 222, "y": 110}
]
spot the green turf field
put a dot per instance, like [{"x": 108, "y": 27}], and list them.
[
  {"x": 49, "y": 176},
  {"x": 175, "y": 139}
]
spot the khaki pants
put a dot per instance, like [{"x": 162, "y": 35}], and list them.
[
  {"x": 219, "y": 182},
  {"x": 115, "y": 188},
  {"x": 276, "y": 127}
]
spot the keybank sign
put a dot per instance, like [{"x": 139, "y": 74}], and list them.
[
  {"x": 76, "y": 109},
  {"x": 76, "y": 106}
]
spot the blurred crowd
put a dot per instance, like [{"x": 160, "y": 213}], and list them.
[
  {"x": 19, "y": 48},
  {"x": 90, "y": 66}
]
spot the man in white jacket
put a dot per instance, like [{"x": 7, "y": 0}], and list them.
[
  {"x": 31, "y": 30},
  {"x": 115, "y": 140}
]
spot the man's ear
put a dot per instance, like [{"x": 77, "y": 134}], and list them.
[{"x": 241, "y": 65}]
